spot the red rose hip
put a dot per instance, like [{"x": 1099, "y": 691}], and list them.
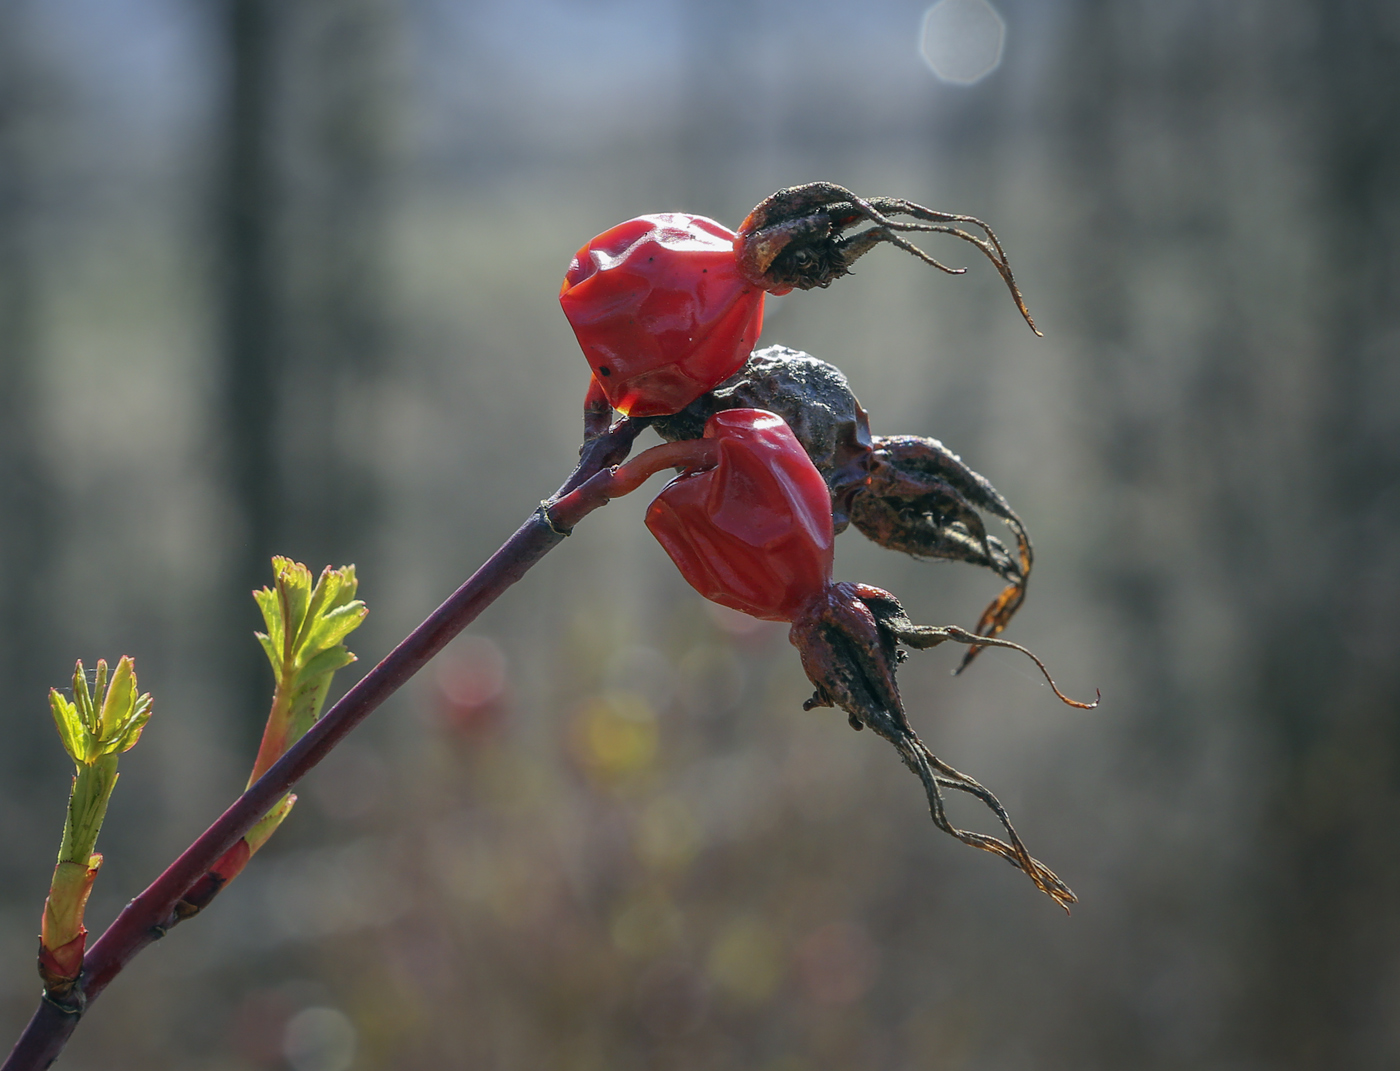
[
  {"x": 754, "y": 532},
  {"x": 661, "y": 311}
]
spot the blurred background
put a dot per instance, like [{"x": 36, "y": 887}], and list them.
[{"x": 280, "y": 277}]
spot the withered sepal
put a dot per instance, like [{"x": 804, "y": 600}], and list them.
[
  {"x": 924, "y": 500},
  {"x": 848, "y": 638},
  {"x": 797, "y": 237}
]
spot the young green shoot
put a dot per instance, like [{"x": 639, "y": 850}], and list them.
[{"x": 95, "y": 728}]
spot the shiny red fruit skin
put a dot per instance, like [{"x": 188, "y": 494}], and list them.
[
  {"x": 754, "y": 532},
  {"x": 661, "y": 311}
]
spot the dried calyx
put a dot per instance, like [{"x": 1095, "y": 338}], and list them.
[
  {"x": 906, "y": 492},
  {"x": 849, "y": 642},
  {"x": 923, "y": 499},
  {"x": 796, "y": 239},
  {"x": 816, "y": 401}
]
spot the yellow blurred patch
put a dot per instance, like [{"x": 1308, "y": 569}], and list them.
[
  {"x": 615, "y": 735},
  {"x": 746, "y": 961},
  {"x": 647, "y": 924}
]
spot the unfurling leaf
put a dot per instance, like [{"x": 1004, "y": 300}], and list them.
[{"x": 105, "y": 723}]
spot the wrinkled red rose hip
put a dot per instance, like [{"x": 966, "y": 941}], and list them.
[
  {"x": 754, "y": 532},
  {"x": 661, "y": 311}
]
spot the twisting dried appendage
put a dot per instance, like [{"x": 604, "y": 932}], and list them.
[
  {"x": 849, "y": 643},
  {"x": 895, "y": 622},
  {"x": 922, "y": 499},
  {"x": 796, "y": 238}
]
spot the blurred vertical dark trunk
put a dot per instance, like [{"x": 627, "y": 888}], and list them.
[
  {"x": 26, "y": 528},
  {"x": 1296, "y": 508},
  {"x": 252, "y": 362},
  {"x": 339, "y": 319},
  {"x": 1111, "y": 88},
  {"x": 1110, "y": 91},
  {"x": 1329, "y": 680},
  {"x": 305, "y": 233}
]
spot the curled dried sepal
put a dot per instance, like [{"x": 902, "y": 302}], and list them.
[
  {"x": 893, "y": 620},
  {"x": 923, "y": 499},
  {"x": 849, "y": 643},
  {"x": 796, "y": 238}
]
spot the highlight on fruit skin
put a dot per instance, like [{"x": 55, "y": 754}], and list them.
[
  {"x": 661, "y": 311},
  {"x": 796, "y": 238},
  {"x": 752, "y": 531}
]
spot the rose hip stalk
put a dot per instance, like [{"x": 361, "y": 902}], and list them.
[{"x": 748, "y": 523}]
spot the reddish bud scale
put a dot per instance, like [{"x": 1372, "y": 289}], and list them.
[
  {"x": 753, "y": 533},
  {"x": 232, "y": 862},
  {"x": 203, "y": 891},
  {"x": 62, "y": 935},
  {"x": 661, "y": 311},
  {"x": 59, "y": 967}
]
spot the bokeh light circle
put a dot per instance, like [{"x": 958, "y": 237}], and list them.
[
  {"x": 962, "y": 40},
  {"x": 319, "y": 1039}
]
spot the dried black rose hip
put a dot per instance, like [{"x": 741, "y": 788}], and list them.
[
  {"x": 849, "y": 643},
  {"x": 815, "y": 400}
]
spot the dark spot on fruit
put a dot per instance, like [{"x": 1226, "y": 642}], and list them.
[{"x": 604, "y": 370}]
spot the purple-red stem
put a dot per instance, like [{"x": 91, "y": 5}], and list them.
[
  {"x": 689, "y": 454},
  {"x": 145, "y": 919}
]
